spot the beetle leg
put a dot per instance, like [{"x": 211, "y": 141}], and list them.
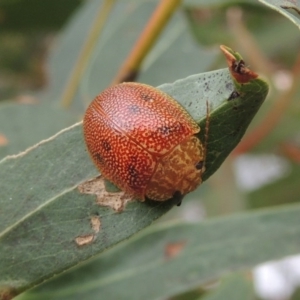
[{"x": 178, "y": 197}]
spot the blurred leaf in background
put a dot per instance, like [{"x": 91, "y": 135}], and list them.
[{"x": 26, "y": 32}]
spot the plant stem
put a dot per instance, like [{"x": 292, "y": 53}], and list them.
[
  {"x": 291, "y": 151},
  {"x": 149, "y": 35}
]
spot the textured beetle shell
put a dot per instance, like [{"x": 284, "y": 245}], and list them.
[{"x": 130, "y": 130}]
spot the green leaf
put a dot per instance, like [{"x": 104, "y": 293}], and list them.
[
  {"x": 42, "y": 212},
  {"x": 26, "y": 124},
  {"x": 286, "y": 8},
  {"x": 230, "y": 121},
  {"x": 142, "y": 269},
  {"x": 235, "y": 287}
]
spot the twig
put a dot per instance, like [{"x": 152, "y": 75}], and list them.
[
  {"x": 291, "y": 151},
  {"x": 149, "y": 35}
]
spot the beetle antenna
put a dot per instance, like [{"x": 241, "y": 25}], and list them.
[{"x": 206, "y": 132}]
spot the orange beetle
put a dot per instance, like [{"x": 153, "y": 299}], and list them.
[{"x": 144, "y": 142}]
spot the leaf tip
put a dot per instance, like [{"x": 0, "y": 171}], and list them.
[{"x": 237, "y": 67}]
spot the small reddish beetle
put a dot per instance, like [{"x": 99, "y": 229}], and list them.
[{"x": 144, "y": 142}]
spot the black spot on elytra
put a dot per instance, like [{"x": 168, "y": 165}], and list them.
[
  {"x": 145, "y": 97},
  {"x": 133, "y": 176},
  {"x": 165, "y": 130},
  {"x": 106, "y": 145},
  {"x": 134, "y": 109},
  {"x": 99, "y": 158}
]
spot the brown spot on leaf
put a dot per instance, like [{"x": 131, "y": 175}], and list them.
[
  {"x": 95, "y": 223},
  {"x": 3, "y": 140},
  {"x": 174, "y": 249},
  {"x": 83, "y": 240},
  {"x": 96, "y": 186},
  {"x": 86, "y": 239}
]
